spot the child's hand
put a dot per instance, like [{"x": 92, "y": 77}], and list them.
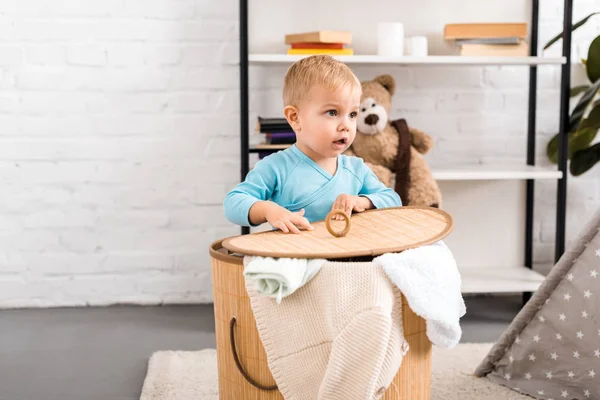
[
  {"x": 287, "y": 221},
  {"x": 349, "y": 203}
]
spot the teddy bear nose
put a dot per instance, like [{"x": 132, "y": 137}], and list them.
[{"x": 371, "y": 119}]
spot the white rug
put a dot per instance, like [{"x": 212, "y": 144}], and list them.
[{"x": 187, "y": 375}]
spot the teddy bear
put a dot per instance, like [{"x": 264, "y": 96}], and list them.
[{"x": 393, "y": 150}]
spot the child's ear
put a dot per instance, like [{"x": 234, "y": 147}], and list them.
[{"x": 291, "y": 114}]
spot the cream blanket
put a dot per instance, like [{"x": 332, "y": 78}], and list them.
[{"x": 340, "y": 337}]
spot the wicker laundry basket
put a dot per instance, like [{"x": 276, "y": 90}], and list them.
[{"x": 242, "y": 361}]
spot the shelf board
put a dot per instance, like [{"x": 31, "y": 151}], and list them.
[
  {"x": 493, "y": 172},
  {"x": 408, "y": 60},
  {"x": 499, "y": 280},
  {"x": 259, "y": 148},
  {"x": 464, "y": 172}
]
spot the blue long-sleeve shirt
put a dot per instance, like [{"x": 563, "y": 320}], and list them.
[{"x": 294, "y": 181}]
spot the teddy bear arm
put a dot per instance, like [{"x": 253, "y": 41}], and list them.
[
  {"x": 421, "y": 141},
  {"x": 423, "y": 189}
]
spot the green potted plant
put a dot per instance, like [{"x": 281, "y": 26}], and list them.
[{"x": 584, "y": 121}]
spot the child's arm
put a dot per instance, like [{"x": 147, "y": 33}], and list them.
[
  {"x": 249, "y": 203},
  {"x": 380, "y": 195},
  {"x": 258, "y": 187},
  {"x": 349, "y": 203},
  {"x": 279, "y": 217},
  {"x": 373, "y": 194}
]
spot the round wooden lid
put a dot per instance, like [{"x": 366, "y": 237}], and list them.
[{"x": 371, "y": 233}]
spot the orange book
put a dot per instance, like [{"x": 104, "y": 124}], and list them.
[
  {"x": 499, "y": 50},
  {"x": 319, "y": 37},
  {"x": 485, "y": 30},
  {"x": 331, "y": 52},
  {"x": 309, "y": 45}
]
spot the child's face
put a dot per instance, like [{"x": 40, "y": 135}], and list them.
[{"x": 327, "y": 121}]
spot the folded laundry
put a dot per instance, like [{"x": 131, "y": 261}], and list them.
[
  {"x": 278, "y": 278},
  {"x": 427, "y": 276}
]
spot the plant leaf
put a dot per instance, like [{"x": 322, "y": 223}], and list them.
[
  {"x": 592, "y": 63},
  {"x": 593, "y": 118},
  {"x": 578, "y": 89},
  {"x": 585, "y": 159},
  {"x": 552, "y": 149},
  {"x": 578, "y": 140},
  {"x": 581, "y": 139},
  {"x": 582, "y": 105},
  {"x": 575, "y": 26}
]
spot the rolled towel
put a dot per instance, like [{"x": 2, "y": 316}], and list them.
[{"x": 280, "y": 277}]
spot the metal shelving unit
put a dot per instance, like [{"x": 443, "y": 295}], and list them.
[{"x": 529, "y": 172}]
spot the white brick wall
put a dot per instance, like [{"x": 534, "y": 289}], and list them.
[
  {"x": 114, "y": 117},
  {"x": 119, "y": 136}
]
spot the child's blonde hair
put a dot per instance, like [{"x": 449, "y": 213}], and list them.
[{"x": 321, "y": 70}]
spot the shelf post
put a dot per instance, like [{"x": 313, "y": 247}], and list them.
[
  {"x": 531, "y": 132},
  {"x": 244, "y": 107},
  {"x": 563, "y": 136}
]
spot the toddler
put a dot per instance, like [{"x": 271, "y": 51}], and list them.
[{"x": 302, "y": 184}]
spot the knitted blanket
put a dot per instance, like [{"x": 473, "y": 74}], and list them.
[{"x": 340, "y": 337}]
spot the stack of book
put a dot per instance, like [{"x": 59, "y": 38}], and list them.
[
  {"x": 489, "y": 39},
  {"x": 277, "y": 135},
  {"x": 320, "y": 42}
]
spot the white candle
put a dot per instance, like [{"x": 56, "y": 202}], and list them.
[
  {"x": 390, "y": 39},
  {"x": 418, "y": 46}
]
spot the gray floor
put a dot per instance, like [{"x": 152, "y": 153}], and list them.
[{"x": 102, "y": 353}]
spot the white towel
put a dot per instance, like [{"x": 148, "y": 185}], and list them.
[
  {"x": 429, "y": 279},
  {"x": 278, "y": 278}
]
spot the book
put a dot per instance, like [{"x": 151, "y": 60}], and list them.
[
  {"x": 272, "y": 120},
  {"x": 343, "y": 37},
  {"x": 268, "y": 149},
  {"x": 281, "y": 137},
  {"x": 501, "y": 50},
  {"x": 272, "y": 146},
  {"x": 273, "y": 128},
  {"x": 269, "y": 125},
  {"x": 332, "y": 52},
  {"x": 485, "y": 30},
  {"x": 493, "y": 40},
  {"x": 310, "y": 45}
]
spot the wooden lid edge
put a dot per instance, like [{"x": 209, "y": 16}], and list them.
[
  {"x": 228, "y": 258},
  {"x": 449, "y": 226}
]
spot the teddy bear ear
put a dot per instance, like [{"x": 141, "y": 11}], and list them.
[{"x": 388, "y": 82}]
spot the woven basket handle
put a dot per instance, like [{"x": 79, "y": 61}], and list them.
[
  {"x": 239, "y": 365},
  {"x": 346, "y": 229}
]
